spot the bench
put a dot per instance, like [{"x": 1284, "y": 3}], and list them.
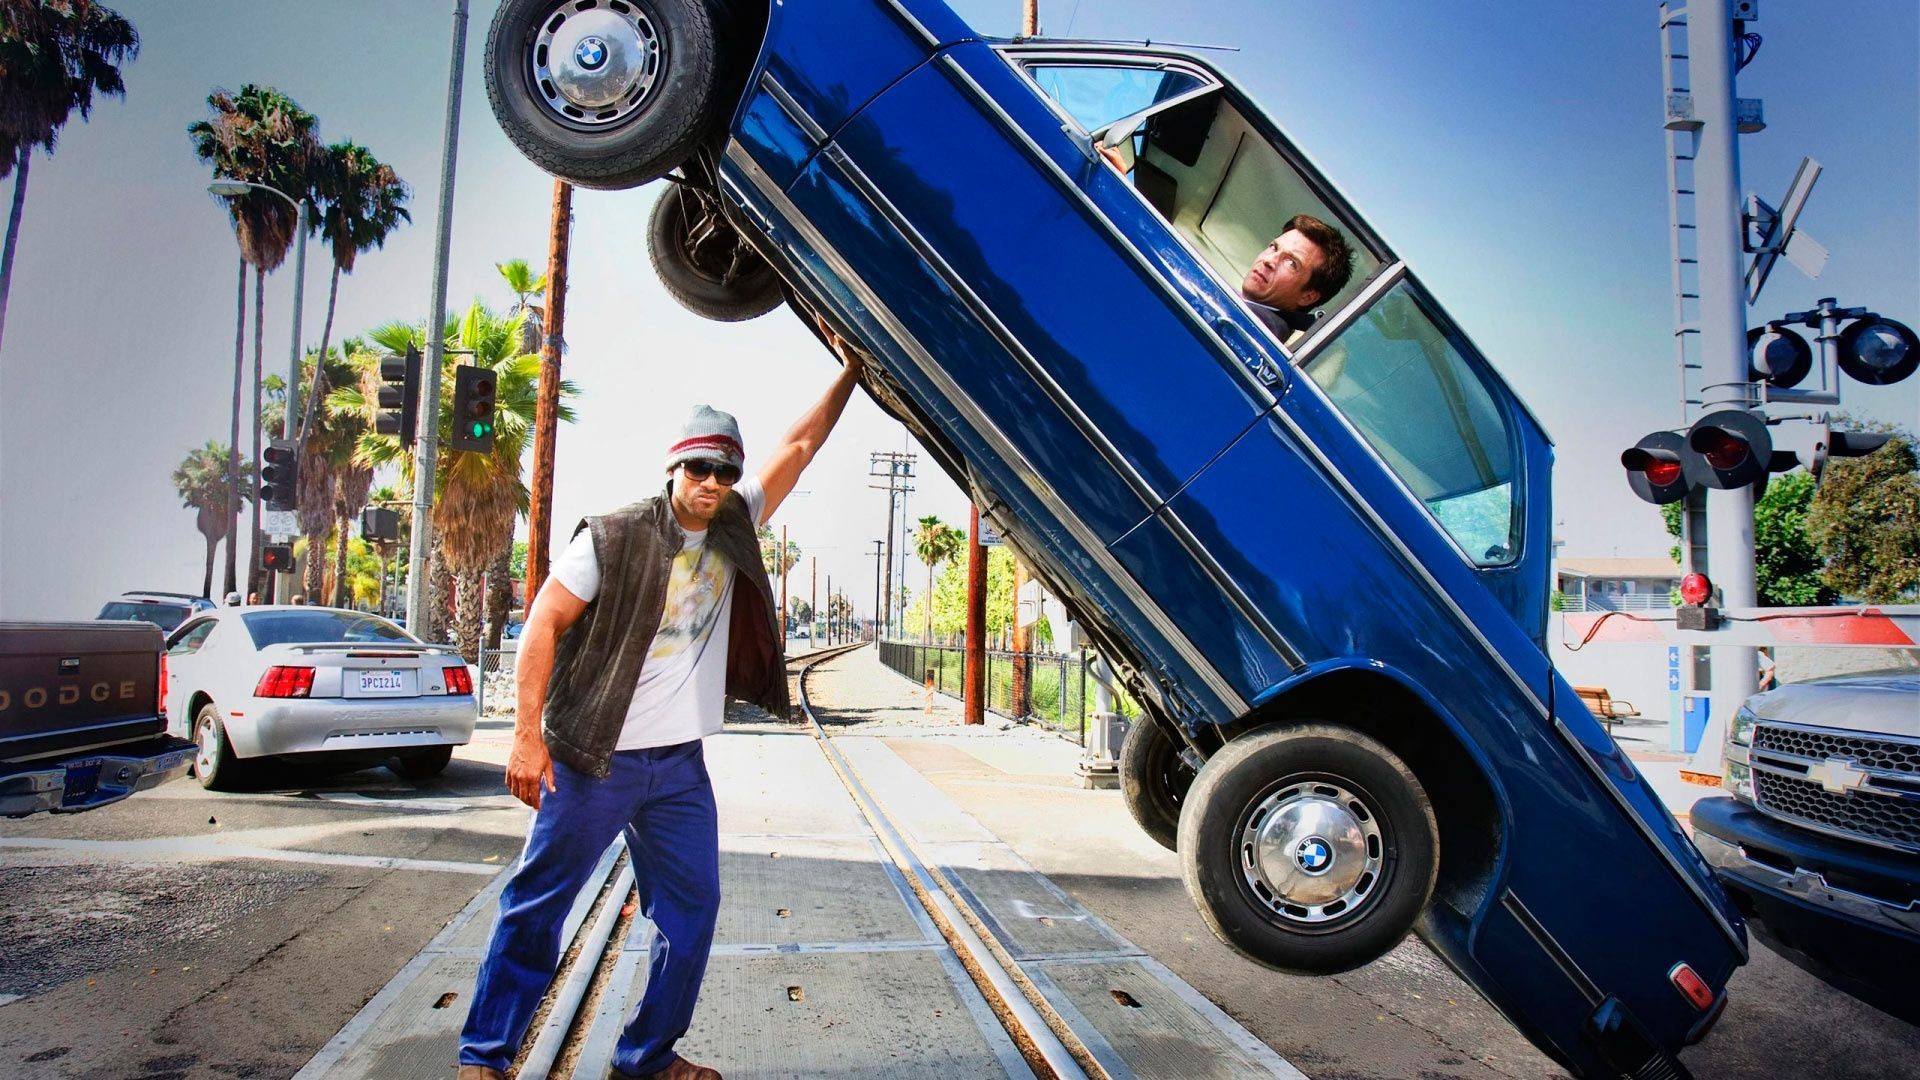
[{"x": 1604, "y": 706}]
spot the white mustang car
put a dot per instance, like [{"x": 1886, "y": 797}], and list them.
[{"x": 260, "y": 682}]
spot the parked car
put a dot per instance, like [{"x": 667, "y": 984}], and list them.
[
  {"x": 265, "y": 682},
  {"x": 165, "y": 610},
  {"x": 1320, "y": 562},
  {"x": 82, "y": 720},
  {"x": 1818, "y": 838}
]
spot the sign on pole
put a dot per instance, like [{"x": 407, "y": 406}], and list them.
[{"x": 280, "y": 524}]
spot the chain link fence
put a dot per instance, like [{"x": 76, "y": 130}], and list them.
[
  {"x": 495, "y": 687},
  {"x": 1059, "y": 690}
]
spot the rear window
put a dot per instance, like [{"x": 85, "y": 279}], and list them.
[
  {"x": 318, "y": 628},
  {"x": 164, "y": 616}
]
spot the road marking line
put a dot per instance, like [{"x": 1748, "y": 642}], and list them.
[{"x": 209, "y": 849}]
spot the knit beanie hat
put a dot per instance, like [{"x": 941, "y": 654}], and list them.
[{"x": 710, "y": 435}]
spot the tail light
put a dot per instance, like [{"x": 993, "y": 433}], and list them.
[
  {"x": 285, "y": 682},
  {"x": 1691, "y": 986},
  {"x": 161, "y": 708},
  {"x": 459, "y": 679}
]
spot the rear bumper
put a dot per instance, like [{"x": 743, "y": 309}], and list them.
[
  {"x": 83, "y": 783},
  {"x": 307, "y": 725}
]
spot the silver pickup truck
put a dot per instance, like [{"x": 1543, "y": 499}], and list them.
[{"x": 82, "y": 719}]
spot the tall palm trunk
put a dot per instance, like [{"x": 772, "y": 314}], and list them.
[
  {"x": 233, "y": 436},
  {"x": 316, "y": 566},
  {"x": 340, "y": 597},
  {"x": 469, "y": 604},
  {"x": 13, "y": 231},
  {"x": 208, "y": 521},
  {"x": 433, "y": 621},
  {"x": 315, "y": 390},
  {"x": 259, "y": 343},
  {"x": 499, "y": 593}
]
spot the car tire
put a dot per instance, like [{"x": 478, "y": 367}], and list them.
[
  {"x": 421, "y": 764},
  {"x": 1154, "y": 781},
  {"x": 704, "y": 263},
  {"x": 640, "y": 137},
  {"x": 1311, "y": 848},
  {"x": 214, "y": 764}
]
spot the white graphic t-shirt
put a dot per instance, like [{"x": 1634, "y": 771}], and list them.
[{"x": 681, "y": 695}]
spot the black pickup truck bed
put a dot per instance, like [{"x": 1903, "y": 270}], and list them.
[{"x": 82, "y": 722}]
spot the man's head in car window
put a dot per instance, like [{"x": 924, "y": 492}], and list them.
[{"x": 1308, "y": 262}]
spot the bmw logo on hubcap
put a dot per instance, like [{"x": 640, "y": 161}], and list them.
[
  {"x": 1314, "y": 855},
  {"x": 591, "y": 52}
]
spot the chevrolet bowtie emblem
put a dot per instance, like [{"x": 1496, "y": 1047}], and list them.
[{"x": 1838, "y": 775}]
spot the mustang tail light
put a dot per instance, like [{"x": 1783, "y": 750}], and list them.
[
  {"x": 459, "y": 679},
  {"x": 284, "y": 682}
]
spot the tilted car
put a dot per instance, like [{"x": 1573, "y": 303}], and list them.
[
  {"x": 250, "y": 683},
  {"x": 165, "y": 610},
  {"x": 1818, "y": 839},
  {"x": 1321, "y": 563}
]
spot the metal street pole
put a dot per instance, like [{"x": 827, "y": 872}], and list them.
[
  {"x": 1711, "y": 31},
  {"x": 423, "y": 465},
  {"x": 283, "y": 581}
]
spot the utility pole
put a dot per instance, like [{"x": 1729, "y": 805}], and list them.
[
  {"x": 895, "y": 467},
  {"x": 813, "y": 591},
  {"x": 423, "y": 467},
  {"x": 546, "y": 419},
  {"x": 973, "y": 696},
  {"x": 876, "y": 590},
  {"x": 782, "y": 557},
  {"x": 829, "y": 618}
]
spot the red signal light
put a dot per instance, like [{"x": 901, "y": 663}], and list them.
[
  {"x": 1721, "y": 449},
  {"x": 1695, "y": 589},
  {"x": 1662, "y": 472}
]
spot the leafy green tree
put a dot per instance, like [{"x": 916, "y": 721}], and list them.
[
  {"x": 1787, "y": 561},
  {"x": 1866, "y": 521},
  {"x": 770, "y": 558},
  {"x": 54, "y": 56},
  {"x": 950, "y": 595},
  {"x": 935, "y": 542},
  {"x": 202, "y": 481}
]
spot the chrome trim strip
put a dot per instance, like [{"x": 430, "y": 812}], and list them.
[
  {"x": 1003, "y": 446},
  {"x": 1808, "y": 885},
  {"x": 1061, "y": 399},
  {"x": 925, "y": 34},
  {"x": 792, "y": 108},
  {"x": 1152, "y": 273},
  {"x": 1646, "y": 830},
  {"x": 1561, "y": 958}
]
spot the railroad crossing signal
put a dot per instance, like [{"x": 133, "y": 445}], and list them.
[
  {"x": 280, "y": 476},
  {"x": 473, "y": 409},
  {"x": 399, "y": 396}
]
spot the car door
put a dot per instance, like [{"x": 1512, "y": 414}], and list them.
[{"x": 186, "y": 669}]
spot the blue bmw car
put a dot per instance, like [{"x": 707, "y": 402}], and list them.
[{"x": 1314, "y": 541}]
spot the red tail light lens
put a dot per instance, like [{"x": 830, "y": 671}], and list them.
[
  {"x": 459, "y": 679},
  {"x": 161, "y": 708},
  {"x": 284, "y": 682},
  {"x": 1691, "y": 986}
]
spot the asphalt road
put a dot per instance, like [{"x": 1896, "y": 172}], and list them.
[{"x": 192, "y": 934}]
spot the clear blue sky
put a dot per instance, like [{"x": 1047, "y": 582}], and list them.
[{"x": 1511, "y": 152}]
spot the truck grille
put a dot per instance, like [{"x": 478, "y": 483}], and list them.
[
  {"x": 1884, "y": 819},
  {"x": 1889, "y": 755}
]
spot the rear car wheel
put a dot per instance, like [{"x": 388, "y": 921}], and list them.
[
  {"x": 704, "y": 262},
  {"x": 1154, "y": 781},
  {"x": 604, "y": 95},
  {"x": 420, "y": 764},
  {"x": 1311, "y": 848},
  {"x": 214, "y": 764}
]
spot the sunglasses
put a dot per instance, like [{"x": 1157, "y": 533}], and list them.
[{"x": 698, "y": 471}]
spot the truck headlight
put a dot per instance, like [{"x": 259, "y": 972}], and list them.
[
  {"x": 1740, "y": 732},
  {"x": 1738, "y": 780}
]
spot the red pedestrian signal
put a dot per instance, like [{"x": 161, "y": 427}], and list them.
[{"x": 277, "y": 558}]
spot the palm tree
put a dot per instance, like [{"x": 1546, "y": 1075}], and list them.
[
  {"x": 478, "y": 496},
  {"x": 54, "y": 56},
  {"x": 771, "y": 558},
  {"x": 935, "y": 542},
  {"x": 352, "y": 480},
  {"x": 363, "y": 201},
  {"x": 260, "y": 136},
  {"x": 525, "y": 286},
  {"x": 202, "y": 481}
]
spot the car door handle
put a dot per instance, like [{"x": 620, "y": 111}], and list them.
[{"x": 1248, "y": 351}]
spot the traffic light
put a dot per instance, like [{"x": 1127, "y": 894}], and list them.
[
  {"x": 399, "y": 396},
  {"x": 473, "y": 412},
  {"x": 280, "y": 476},
  {"x": 277, "y": 558},
  {"x": 1656, "y": 469},
  {"x": 379, "y": 523}
]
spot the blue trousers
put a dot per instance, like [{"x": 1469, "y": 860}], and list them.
[{"x": 662, "y": 799}]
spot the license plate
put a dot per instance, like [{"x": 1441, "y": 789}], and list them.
[{"x": 380, "y": 682}]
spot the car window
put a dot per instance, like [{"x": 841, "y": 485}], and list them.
[
  {"x": 164, "y": 616},
  {"x": 191, "y": 638},
  {"x": 318, "y": 627},
  {"x": 1407, "y": 385},
  {"x": 1097, "y": 94}
]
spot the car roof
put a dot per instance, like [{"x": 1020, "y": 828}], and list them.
[{"x": 151, "y": 597}]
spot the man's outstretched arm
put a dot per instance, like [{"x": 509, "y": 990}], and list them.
[{"x": 788, "y": 460}]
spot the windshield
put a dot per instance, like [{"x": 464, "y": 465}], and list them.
[
  {"x": 318, "y": 627},
  {"x": 164, "y": 616}
]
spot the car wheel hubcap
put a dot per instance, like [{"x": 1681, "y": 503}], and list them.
[
  {"x": 594, "y": 65},
  {"x": 209, "y": 745},
  {"x": 1312, "y": 852}
]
